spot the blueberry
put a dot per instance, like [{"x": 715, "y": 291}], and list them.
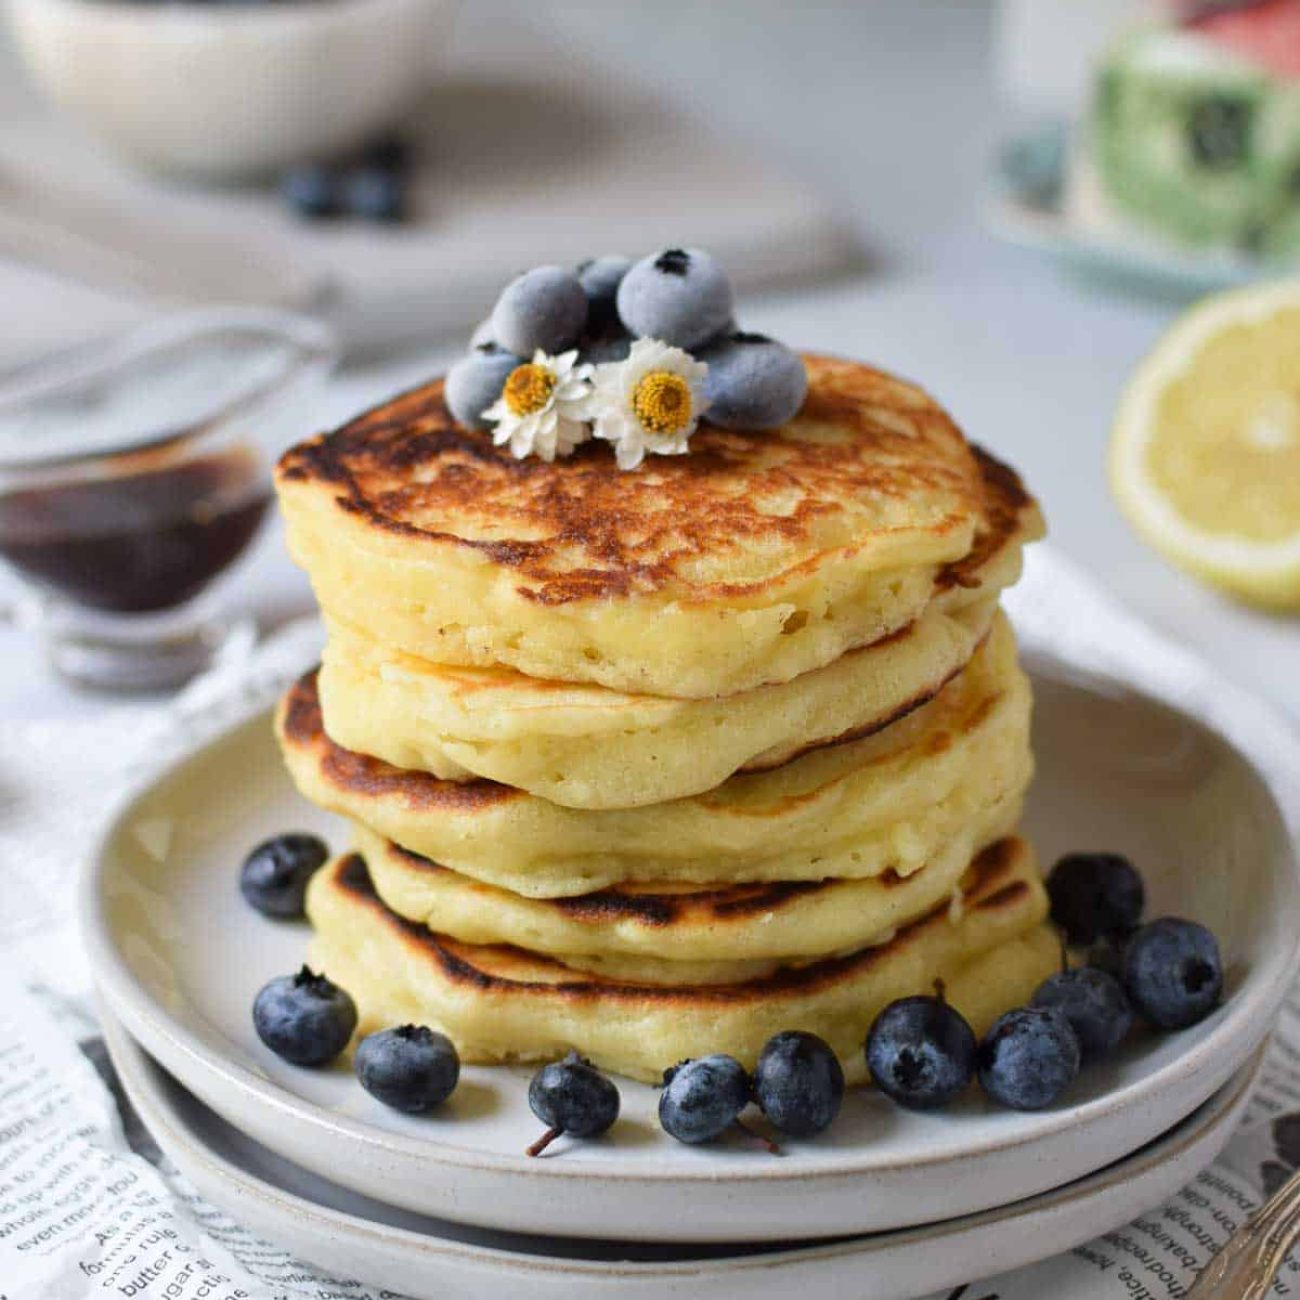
[
  {"x": 274, "y": 876},
  {"x": 611, "y": 344},
  {"x": 753, "y": 382},
  {"x": 681, "y": 296},
  {"x": 799, "y": 1083},
  {"x": 1029, "y": 1058},
  {"x": 375, "y": 193},
  {"x": 703, "y": 1098},
  {"x": 921, "y": 1052},
  {"x": 543, "y": 308},
  {"x": 482, "y": 335},
  {"x": 571, "y": 1096},
  {"x": 1095, "y": 1004},
  {"x": 600, "y": 278},
  {"x": 411, "y": 1068},
  {"x": 304, "y": 1018},
  {"x": 312, "y": 190},
  {"x": 476, "y": 381},
  {"x": 1095, "y": 894},
  {"x": 1173, "y": 972}
]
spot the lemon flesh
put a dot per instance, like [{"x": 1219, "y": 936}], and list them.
[{"x": 1206, "y": 450}]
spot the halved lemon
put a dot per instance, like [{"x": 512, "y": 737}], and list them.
[{"x": 1205, "y": 452}]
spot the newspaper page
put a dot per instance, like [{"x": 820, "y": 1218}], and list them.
[{"x": 89, "y": 1207}]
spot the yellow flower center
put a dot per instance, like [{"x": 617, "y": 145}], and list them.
[
  {"x": 662, "y": 402},
  {"x": 528, "y": 389}
]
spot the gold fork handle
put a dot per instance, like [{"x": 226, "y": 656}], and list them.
[{"x": 1244, "y": 1269}]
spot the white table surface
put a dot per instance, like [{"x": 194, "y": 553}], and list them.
[{"x": 890, "y": 106}]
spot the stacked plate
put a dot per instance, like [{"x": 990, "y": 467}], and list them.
[{"x": 312, "y": 1161}]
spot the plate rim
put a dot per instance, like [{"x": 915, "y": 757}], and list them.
[
  {"x": 1221, "y": 1110},
  {"x": 149, "y": 1020}
]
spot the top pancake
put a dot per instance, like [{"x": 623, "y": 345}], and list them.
[{"x": 754, "y": 558}]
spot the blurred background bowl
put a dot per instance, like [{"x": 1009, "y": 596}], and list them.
[{"x": 223, "y": 92}]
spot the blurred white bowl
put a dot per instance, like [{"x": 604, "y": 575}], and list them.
[{"x": 224, "y": 91}]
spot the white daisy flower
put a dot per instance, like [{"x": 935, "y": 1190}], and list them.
[
  {"x": 650, "y": 402},
  {"x": 541, "y": 410}
]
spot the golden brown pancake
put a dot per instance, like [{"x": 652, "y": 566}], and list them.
[
  {"x": 957, "y": 765},
  {"x": 587, "y": 746},
  {"x": 755, "y": 558},
  {"x": 659, "y": 932},
  {"x": 501, "y": 1003}
]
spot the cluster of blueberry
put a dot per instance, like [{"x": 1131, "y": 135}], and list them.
[
  {"x": 308, "y": 1020},
  {"x": 596, "y": 313},
  {"x": 798, "y": 1084},
  {"x": 921, "y": 1051},
  {"x": 374, "y": 186}
]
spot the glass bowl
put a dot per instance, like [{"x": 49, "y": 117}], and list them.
[{"x": 133, "y": 473}]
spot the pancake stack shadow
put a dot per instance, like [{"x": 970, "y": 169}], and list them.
[{"x": 657, "y": 764}]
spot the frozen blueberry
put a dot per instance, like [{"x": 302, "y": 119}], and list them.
[
  {"x": 571, "y": 1096},
  {"x": 1173, "y": 972},
  {"x": 1029, "y": 1058},
  {"x": 313, "y": 190},
  {"x": 753, "y": 382},
  {"x": 275, "y": 874},
  {"x": 1095, "y": 1004},
  {"x": 703, "y": 1098},
  {"x": 798, "y": 1083},
  {"x": 612, "y": 344},
  {"x": 375, "y": 193},
  {"x": 543, "y": 308},
  {"x": 681, "y": 296},
  {"x": 921, "y": 1052},
  {"x": 305, "y": 1018},
  {"x": 411, "y": 1068},
  {"x": 482, "y": 334},
  {"x": 476, "y": 381},
  {"x": 600, "y": 278},
  {"x": 1094, "y": 895}
]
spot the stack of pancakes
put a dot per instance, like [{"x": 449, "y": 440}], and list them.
[{"x": 657, "y": 764}]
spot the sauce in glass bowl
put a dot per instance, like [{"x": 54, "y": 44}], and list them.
[{"x": 133, "y": 474}]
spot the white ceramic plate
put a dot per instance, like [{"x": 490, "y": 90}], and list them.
[
  {"x": 432, "y": 1259},
  {"x": 1131, "y": 258},
  {"x": 1036, "y": 211},
  {"x": 179, "y": 957}
]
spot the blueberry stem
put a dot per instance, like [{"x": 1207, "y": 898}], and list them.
[
  {"x": 543, "y": 1142},
  {"x": 941, "y": 991},
  {"x": 760, "y": 1139}
]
